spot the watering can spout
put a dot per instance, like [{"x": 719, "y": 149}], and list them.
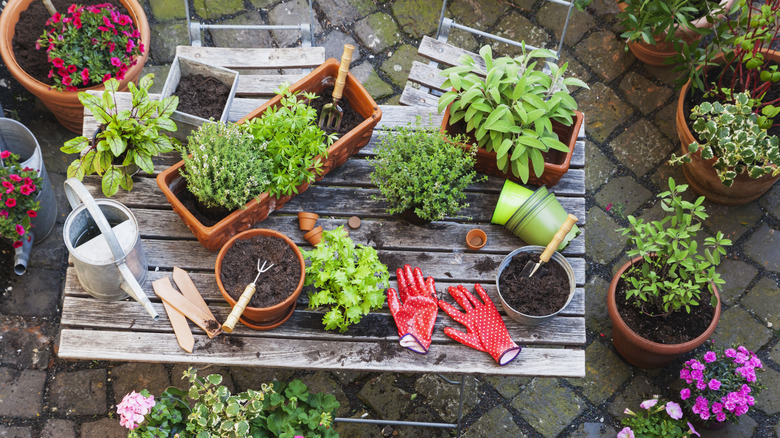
[
  {"x": 22, "y": 255},
  {"x": 131, "y": 286}
]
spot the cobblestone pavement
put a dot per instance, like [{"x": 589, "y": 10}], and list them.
[{"x": 629, "y": 110}]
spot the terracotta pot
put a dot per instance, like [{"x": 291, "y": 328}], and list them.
[
  {"x": 64, "y": 104},
  {"x": 255, "y": 211},
  {"x": 656, "y": 54},
  {"x": 553, "y": 170},
  {"x": 262, "y": 318},
  {"x": 639, "y": 351},
  {"x": 701, "y": 175},
  {"x": 306, "y": 221},
  {"x": 476, "y": 239},
  {"x": 314, "y": 236}
]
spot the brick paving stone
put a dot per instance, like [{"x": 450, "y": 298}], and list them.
[
  {"x": 604, "y": 9},
  {"x": 443, "y": 396},
  {"x": 478, "y": 14},
  {"x": 377, "y": 32},
  {"x": 103, "y": 428},
  {"x": 737, "y": 275},
  {"x": 177, "y": 372},
  {"x": 524, "y": 5},
  {"x": 346, "y": 12},
  {"x": 605, "y": 372},
  {"x": 737, "y": 326},
  {"x": 599, "y": 168},
  {"x": 357, "y": 430},
  {"x": 253, "y": 377},
  {"x": 575, "y": 69},
  {"x": 762, "y": 245},
  {"x": 48, "y": 254},
  {"x": 594, "y": 430},
  {"x": 603, "y": 52},
  {"x": 417, "y": 17},
  {"x": 347, "y": 377},
  {"x": 666, "y": 75},
  {"x": 397, "y": 66},
  {"x": 625, "y": 191},
  {"x": 508, "y": 387},
  {"x": 15, "y": 432},
  {"x": 548, "y": 406},
  {"x": 21, "y": 392},
  {"x": 334, "y": 46},
  {"x": 464, "y": 40},
  {"x": 638, "y": 390},
  {"x": 732, "y": 221},
  {"x": 321, "y": 381},
  {"x": 165, "y": 10},
  {"x": 516, "y": 27},
  {"x": 602, "y": 241},
  {"x": 262, "y": 4},
  {"x": 136, "y": 376},
  {"x": 762, "y": 299},
  {"x": 42, "y": 303},
  {"x": 596, "y": 315},
  {"x": 291, "y": 12},
  {"x": 664, "y": 120},
  {"x": 498, "y": 422},
  {"x": 79, "y": 392},
  {"x": 421, "y": 414},
  {"x": 641, "y": 147},
  {"x": 243, "y": 38},
  {"x": 745, "y": 428},
  {"x": 645, "y": 94},
  {"x": 367, "y": 76},
  {"x": 24, "y": 342},
  {"x": 552, "y": 16},
  {"x": 603, "y": 109},
  {"x": 771, "y": 201},
  {"x": 59, "y": 428},
  {"x": 168, "y": 35},
  {"x": 212, "y": 9},
  {"x": 386, "y": 399},
  {"x": 769, "y": 399}
]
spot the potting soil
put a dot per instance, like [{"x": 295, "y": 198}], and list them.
[
  {"x": 544, "y": 293},
  {"x": 349, "y": 120},
  {"x": 202, "y": 96}
]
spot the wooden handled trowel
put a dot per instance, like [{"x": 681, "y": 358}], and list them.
[{"x": 530, "y": 268}]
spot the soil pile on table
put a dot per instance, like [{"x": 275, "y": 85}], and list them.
[{"x": 544, "y": 293}]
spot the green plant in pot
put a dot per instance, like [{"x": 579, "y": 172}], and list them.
[
  {"x": 127, "y": 139},
  {"x": 663, "y": 284},
  {"x": 512, "y": 111},
  {"x": 420, "y": 173}
]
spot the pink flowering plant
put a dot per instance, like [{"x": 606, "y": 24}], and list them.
[
  {"x": 18, "y": 189},
  {"x": 89, "y": 45},
  {"x": 656, "y": 419},
  {"x": 147, "y": 417},
  {"x": 722, "y": 385}
]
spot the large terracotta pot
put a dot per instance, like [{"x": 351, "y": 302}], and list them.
[
  {"x": 257, "y": 210},
  {"x": 656, "y": 54},
  {"x": 262, "y": 318},
  {"x": 639, "y": 351},
  {"x": 553, "y": 170},
  {"x": 701, "y": 175},
  {"x": 64, "y": 104}
]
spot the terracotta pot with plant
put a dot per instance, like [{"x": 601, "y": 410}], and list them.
[
  {"x": 523, "y": 119},
  {"x": 84, "y": 51},
  {"x": 664, "y": 302}
]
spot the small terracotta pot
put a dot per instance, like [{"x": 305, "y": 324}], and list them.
[
  {"x": 639, "y": 351},
  {"x": 476, "y": 239},
  {"x": 314, "y": 236},
  {"x": 307, "y": 221},
  {"x": 262, "y": 318}
]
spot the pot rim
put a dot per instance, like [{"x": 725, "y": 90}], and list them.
[
  {"x": 476, "y": 232},
  {"x": 656, "y": 347}
]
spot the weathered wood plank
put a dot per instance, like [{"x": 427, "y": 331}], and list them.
[
  {"x": 295, "y": 57},
  {"x": 446, "y": 54},
  {"x": 253, "y": 85},
  {"x": 426, "y": 75},
  {"x": 415, "y": 97},
  {"x": 383, "y": 356}
]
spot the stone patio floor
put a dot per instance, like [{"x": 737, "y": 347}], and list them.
[{"x": 630, "y": 133}]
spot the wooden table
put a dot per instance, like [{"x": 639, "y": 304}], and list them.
[{"x": 123, "y": 331}]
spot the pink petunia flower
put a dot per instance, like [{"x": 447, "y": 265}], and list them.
[
  {"x": 116, "y": 62},
  {"x": 20, "y": 230},
  {"x": 17, "y": 244},
  {"x": 58, "y": 62},
  {"x": 130, "y": 45},
  {"x": 626, "y": 433},
  {"x": 674, "y": 410},
  {"x": 647, "y": 404},
  {"x": 32, "y": 213},
  {"x": 10, "y": 202},
  {"x": 5, "y": 154},
  {"x": 85, "y": 76},
  {"x": 14, "y": 177},
  {"x": 692, "y": 430}
]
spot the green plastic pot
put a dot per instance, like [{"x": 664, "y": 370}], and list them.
[
  {"x": 540, "y": 225},
  {"x": 520, "y": 215},
  {"x": 511, "y": 198}
]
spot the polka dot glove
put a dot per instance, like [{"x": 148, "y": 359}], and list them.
[
  {"x": 416, "y": 316},
  {"x": 486, "y": 330}
]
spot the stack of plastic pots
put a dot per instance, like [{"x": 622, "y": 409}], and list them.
[{"x": 534, "y": 216}]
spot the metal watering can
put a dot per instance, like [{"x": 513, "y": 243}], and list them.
[{"x": 105, "y": 246}]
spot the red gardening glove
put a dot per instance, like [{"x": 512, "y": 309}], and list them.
[
  {"x": 415, "y": 318},
  {"x": 486, "y": 330}
]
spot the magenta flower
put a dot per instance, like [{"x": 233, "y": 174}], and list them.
[
  {"x": 710, "y": 356},
  {"x": 5, "y": 154},
  {"x": 685, "y": 393},
  {"x": 20, "y": 230},
  {"x": 14, "y": 177},
  {"x": 626, "y": 433},
  {"x": 85, "y": 76},
  {"x": 17, "y": 244},
  {"x": 32, "y": 213},
  {"x": 693, "y": 431},
  {"x": 26, "y": 190},
  {"x": 10, "y": 202},
  {"x": 133, "y": 408},
  {"x": 714, "y": 384},
  {"x": 674, "y": 410},
  {"x": 130, "y": 45},
  {"x": 116, "y": 62}
]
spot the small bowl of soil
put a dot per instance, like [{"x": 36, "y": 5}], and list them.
[
  {"x": 534, "y": 300},
  {"x": 277, "y": 289}
]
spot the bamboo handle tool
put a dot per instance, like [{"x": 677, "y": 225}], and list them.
[
  {"x": 531, "y": 267},
  {"x": 331, "y": 115},
  {"x": 243, "y": 300}
]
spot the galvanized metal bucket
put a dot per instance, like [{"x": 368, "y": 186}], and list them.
[{"x": 111, "y": 264}]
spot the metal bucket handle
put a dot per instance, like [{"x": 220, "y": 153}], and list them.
[{"x": 78, "y": 194}]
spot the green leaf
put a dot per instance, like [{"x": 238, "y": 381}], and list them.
[
  {"x": 538, "y": 161},
  {"x": 75, "y": 145},
  {"x": 111, "y": 181}
]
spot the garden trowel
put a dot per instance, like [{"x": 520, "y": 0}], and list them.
[
  {"x": 530, "y": 268},
  {"x": 331, "y": 115}
]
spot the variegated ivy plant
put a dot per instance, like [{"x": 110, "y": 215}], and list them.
[
  {"x": 511, "y": 108},
  {"x": 731, "y": 134},
  {"x": 125, "y": 137}
]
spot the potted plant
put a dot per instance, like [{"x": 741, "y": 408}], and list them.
[
  {"x": 126, "y": 139},
  {"x": 657, "y": 30},
  {"x": 348, "y": 278},
  {"x": 277, "y": 289},
  {"x": 205, "y": 92},
  {"x": 84, "y": 57},
  {"x": 422, "y": 174},
  {"x": 523, "y": 119},
  {"x": 664, "y": 302},
  {"x": 656, "y": 421}
]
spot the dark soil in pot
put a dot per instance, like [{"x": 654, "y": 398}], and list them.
[
  {"x": 677, "y": 328},
  {"x": 239, "y": 268},
  {"x": 543, "y": 294},
  {"x": 349, "y": 120},
  {"x": 205, "y": 215},
  {"x": 31, "y": 27},
  {"x": 202, "y": 96}
]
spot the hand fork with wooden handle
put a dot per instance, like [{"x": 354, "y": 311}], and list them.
[
  {"x": 331, "y": 115},
  {"x": 238, "y": 309},
  {"x": 530, "y": 268}
]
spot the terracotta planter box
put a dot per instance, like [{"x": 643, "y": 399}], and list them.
[
  {"x": 553, "y": 170},
  {"x": 64, "y": 104},
  {"x": 347, "y": 145}
]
